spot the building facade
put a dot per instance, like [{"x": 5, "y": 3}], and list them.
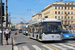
[
  {"x": 62, "y": 11},
  {"x": 36, "y": 16},
  {"x": 19, "y": 25}
]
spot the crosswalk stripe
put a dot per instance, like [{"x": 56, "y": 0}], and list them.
[
  {"x": 71, "y": 44},
  {"x": 15, "y": 48},
  {"x": 58, "y": 47},
  {"x": 25, "y": 48},
  {"x": 67, "y": 46},
  {"x": 52, "y": 47},
  {"x": 47, "y": 47},
  {"x": 36, "y": 47}
]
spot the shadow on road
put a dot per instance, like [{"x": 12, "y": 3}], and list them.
[
  {"x": 20, "y": 43},
  {"x": 46, "y": 42}
]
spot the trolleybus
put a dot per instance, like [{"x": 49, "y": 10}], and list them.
[{"x": 45, "y": 30}]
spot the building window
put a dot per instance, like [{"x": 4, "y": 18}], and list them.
[
  {"x": 58, "y": 12},
  {"x": 68, "y": 12},
  {"x": 55, "y": 7},
  {"x": 46, "y": 16},
  {"x": 55, "y": 12},
  {"x": 72, "y": 17},
  {"x": 68, "y": 17},
  {"x": 72, "y": 4},
  {"x": 65, "y": 17},
  {"x": 68, "y": 8},
  {"x": 62, "y": 22},
  {"x": 65, "y": 22},
  {"x": 65, "y": 7},
  {"x": 68, "y": 22},
  {"x": 58, "y": 17},
  {"x": 62, "y": 12},
  {"x": 71, "y": 22},
  {"x": 68, "y": 3},
  {"x": 71, "y": 8},
  {"x": 62, "y": 17},
  {"x": 55, "y": 17},
  {"x": 62, "y": 7},
  {"x": 71, "y": 12},
  {"x": 58, "y": 7},
  {"x": 65, "y": 3},
  {"x": 65, "y": 13}
]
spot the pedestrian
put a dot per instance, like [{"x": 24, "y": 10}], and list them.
[
  {"x": 15, "y": 32},
  {"x": 7, "y": 35}
]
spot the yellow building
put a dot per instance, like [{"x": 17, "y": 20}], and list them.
[
  {"x": 19, "y": 25},
  {"x": 62, "y": 11},
  {"x": 36, "y": 16}
]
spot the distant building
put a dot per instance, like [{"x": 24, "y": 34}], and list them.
[
  {"x": 62, "y": 11},
  {"x": 36, "y": 16},
  {"x": 19, "y": 25}
]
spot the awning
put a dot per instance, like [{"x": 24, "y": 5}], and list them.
[{"x": 6, "y": 27}]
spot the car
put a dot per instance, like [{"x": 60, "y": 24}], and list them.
[
  {"x": 67, "y": 35},
  {"x": 20, "y": 31},
  {"x": 23, "y": 32}
]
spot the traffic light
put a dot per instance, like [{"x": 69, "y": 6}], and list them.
[
  {"x": 2, "y": 10},
  {"x": 3, "y": 19}
]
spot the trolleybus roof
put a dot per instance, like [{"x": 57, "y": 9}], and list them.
[{"x": 44, "y": 20}]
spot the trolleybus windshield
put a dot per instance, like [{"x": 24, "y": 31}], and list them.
[{"x": 52, "y": 27}]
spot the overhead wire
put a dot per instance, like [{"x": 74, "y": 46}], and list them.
[
  {"x": 35, "y": 4},
  {"x": 32, "y": 3}
]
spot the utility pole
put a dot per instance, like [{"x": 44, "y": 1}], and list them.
[
  {"x": 6, "y": 14},
  {"x": 1, "y": 33}
]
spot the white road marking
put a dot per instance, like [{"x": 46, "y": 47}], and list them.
[
  {"x": 58, "y": 47},
  {"x": 70, "y": 44},
  {"x": 47, "y": 47},
  {"x": 25, "y": 48},
  {"x": 67, "y": 46},
  {"x": 36, "y": 47},
  {"x": 15, "y": 48}
]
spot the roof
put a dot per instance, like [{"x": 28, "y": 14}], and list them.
[
  {"x": 45, "y": 20},
  {"x": 37, "y": 14}
]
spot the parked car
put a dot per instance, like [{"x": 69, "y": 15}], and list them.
[
  {"x": 67, "y": 35},
  {"x": 20, "y": 31}
]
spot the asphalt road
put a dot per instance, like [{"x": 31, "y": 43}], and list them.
[{"x": 22, "y": 42}]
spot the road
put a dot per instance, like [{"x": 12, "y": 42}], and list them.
[{"x": 22, "y": 42}]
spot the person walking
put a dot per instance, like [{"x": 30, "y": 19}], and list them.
[
  {"x": 15, "y": 32},
  {"x": 7, "y": 35}
]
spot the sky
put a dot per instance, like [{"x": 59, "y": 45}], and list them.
[{"x": 20, "y": 9}]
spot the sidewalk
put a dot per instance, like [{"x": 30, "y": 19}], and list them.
[{"x": 6, "y": 47}]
